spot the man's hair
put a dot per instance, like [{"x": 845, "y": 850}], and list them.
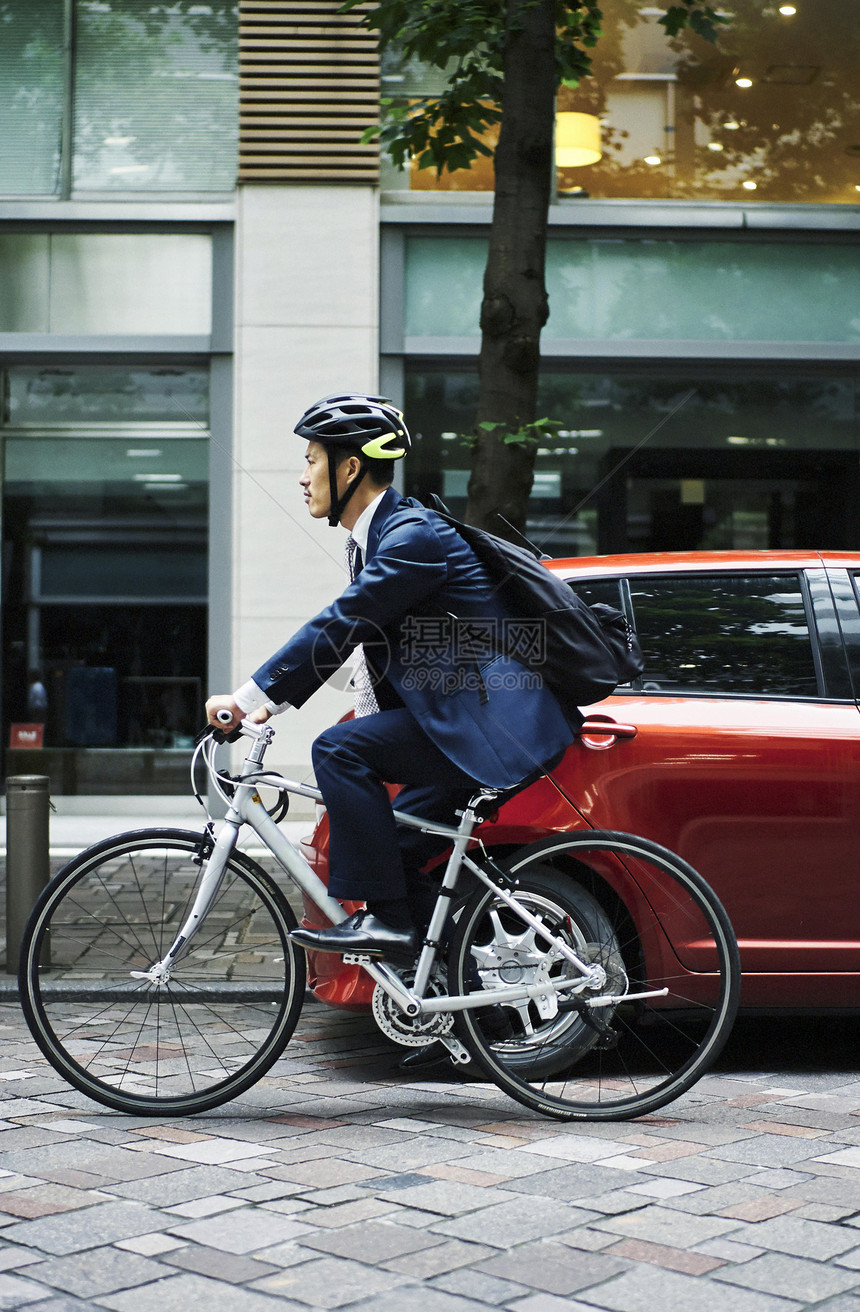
[{"x": 380, "y": 472}]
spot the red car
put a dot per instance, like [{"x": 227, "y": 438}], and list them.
[{"x": 739, "y": 749}]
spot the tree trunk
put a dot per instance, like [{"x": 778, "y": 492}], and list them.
[{"x": 515, "y": 305}]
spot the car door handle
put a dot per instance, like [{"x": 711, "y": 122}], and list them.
[{"x": 599, "y": 733}]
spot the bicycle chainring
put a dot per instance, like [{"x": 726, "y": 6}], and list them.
[{"x": 411, "y": 1031}]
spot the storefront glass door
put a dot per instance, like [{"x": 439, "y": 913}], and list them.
[{"x": 105, "y": 546}]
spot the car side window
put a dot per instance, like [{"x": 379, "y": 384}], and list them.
[
  {"x": 591, "y": 591},
  {"x": 725, "y": 633},
  {"x": 850, "y": 623}
]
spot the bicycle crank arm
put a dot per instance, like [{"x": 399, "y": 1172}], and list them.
[{"x": 459, "y": 1054}]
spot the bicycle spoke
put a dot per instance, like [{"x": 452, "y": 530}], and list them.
[
  {"x": 198, "y": 1037},
  {"x": 632, "y": 909}
]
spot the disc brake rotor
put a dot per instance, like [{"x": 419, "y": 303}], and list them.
[{"x": 612, "y": 962}]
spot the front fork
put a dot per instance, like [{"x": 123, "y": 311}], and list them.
[{"x": 213, "y": 874}]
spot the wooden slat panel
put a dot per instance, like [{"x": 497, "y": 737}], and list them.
[{"x": 309, "y": 86}]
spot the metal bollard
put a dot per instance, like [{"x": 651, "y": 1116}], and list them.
[{"x": 27, "y": 859}]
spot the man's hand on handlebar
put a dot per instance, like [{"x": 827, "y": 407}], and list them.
[{"x": 219, "y": 707}]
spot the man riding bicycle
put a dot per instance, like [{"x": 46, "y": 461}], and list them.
[{"x": 438, "y": 709}]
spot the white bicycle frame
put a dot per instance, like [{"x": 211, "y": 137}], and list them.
[{"x": 246, "y": 807}]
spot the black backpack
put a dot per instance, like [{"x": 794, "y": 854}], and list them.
[{"x": 585, "y": 651}]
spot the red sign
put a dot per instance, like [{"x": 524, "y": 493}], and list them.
[{"x": 27, "y": 735}]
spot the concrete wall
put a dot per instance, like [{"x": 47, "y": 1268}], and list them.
[{"x": 306, "y": 324}]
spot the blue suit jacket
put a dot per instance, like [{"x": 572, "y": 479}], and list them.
[{"x": 489, "y": 714}]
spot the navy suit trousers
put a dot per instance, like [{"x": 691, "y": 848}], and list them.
[{"x": 370, "y": 856}]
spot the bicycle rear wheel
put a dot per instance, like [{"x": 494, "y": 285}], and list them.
[
  {"x": 222, "y": 1019},
  {"x": 656, "y": 928}
]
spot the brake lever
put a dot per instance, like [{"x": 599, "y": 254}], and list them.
[{"x": 220, "y": 735}]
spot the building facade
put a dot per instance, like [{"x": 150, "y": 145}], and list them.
[{"x": 195, "y": 244}]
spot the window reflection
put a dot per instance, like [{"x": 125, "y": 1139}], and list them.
[
  {"x": 155, "y": 92},
  {"x": 724, "y": 634},
  {"x": 771, "y": 112},
  {"x": 666, "y": 461},
  {"x": 155, "y": 96}
]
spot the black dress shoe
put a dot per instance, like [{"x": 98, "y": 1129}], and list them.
[
  {"x": 432, "y": 1054},
  {"x": 363, "y": 934}
]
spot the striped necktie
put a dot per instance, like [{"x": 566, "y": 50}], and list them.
[{"x": 364, "y": 696}]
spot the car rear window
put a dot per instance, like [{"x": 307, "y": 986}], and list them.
[{"x": 741, "y": 634}]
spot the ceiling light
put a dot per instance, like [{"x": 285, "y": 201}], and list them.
[
  {"x": 749, "y": 185},
  {"x": 653, "y": 159},
  {"x": 119, "y": 141},
  {"x": 158, "y": 478},
  {"x": 715, "y": 145},
  {"x": 743, "y": 81},
  {"x": 137, "y": 452},
  {"x": 732, "y": 125},
  {"x": 577, "y": 140},
  {"x": 787, "y": 10},
  {"x": 130, "y": 168}
]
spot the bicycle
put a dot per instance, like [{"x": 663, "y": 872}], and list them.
[{"x": 590, "y": 975}]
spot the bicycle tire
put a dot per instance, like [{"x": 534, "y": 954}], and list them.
[
  {"x": 220, "y": 1022},
  {"x": 660, "y": 927}
]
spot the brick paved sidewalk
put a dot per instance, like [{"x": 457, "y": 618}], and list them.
[{"x": 338, "y": 1182}]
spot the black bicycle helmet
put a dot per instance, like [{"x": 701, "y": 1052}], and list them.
[{"x": 371, "y": 424}]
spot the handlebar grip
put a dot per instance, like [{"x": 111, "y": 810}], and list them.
[{"x": 224, "y": 717}]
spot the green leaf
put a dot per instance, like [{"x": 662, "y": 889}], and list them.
[
  {"x": 700, "y": 17},
  {"x": 466, "y": 38}
]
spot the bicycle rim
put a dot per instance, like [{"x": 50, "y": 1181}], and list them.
[
  {"x": 661, "y": 932},
  {"x": 212, "y": 1030}
]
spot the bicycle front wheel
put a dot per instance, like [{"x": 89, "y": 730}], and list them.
[
  {"x": 670, "y": 977},
  {"x": 204, "y": 1036}
]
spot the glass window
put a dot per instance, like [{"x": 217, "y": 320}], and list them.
[
  {"x": 768, "y": 113},
  {"x": 834, "y": 611},
  {"x": 105, "y": 541},
  {"x": 663, "y": 290},
  {"x": 849, "y": 622},
  {"x": 98, "y": 569},
  {"x": 32, "y": 76},
  {"x": 676, "y": 459},
  {"x": 156, "y": 91},
  {"x": 106, "y": 282},
  {"x": 604, "y": 592},
  {"x": 723, "y": 633},
  {"x": 43, "y": 395},
  {"x": 153, "y": 89}
]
